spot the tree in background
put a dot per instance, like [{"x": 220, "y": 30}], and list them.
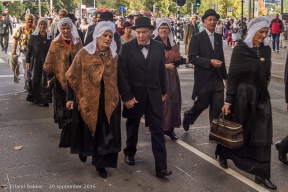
[
  {"x": 261, "y": 8},
  {"x": 235, "y": 5}
]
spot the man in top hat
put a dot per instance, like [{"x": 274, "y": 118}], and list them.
[
  {"x": 206, "y": 53},
  {"x": 105, "y": 16},
  {"x": 5, "y": 27},
  {"x": 141, "y": 82}
]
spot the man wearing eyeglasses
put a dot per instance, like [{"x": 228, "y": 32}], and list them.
[{"x": 206, "y": 53}]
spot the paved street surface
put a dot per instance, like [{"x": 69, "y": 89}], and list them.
[{"x": 42, "y": 166}]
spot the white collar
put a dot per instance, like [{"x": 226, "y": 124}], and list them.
[{"x": 209, "y": 33}]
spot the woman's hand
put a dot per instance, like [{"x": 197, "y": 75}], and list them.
[
  {"x": 170, "y": 67},
  {"x": 187, "y": 60},
  {"x": 226, "y": 109},
  {"x": 69, "y": 105},
  {"x": 28, "y": 65}
]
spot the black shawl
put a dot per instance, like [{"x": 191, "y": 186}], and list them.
[{"x": 247, "y": 62}]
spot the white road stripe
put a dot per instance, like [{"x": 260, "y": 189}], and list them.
[
  {"x": 2, "y": 61},
  {"x": 12, "y": 93},
  {"x": 215, "y": 163},
  {"x": 10, "y": 76}
]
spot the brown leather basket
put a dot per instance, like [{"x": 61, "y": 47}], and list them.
[{"x": 226, "y": 133}]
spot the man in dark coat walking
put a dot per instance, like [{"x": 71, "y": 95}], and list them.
[
  {"x": 282, "y": 146},
  {"x": 142, "y": 86},
  {"x": 206, "y": 53},
  {"x": 105, "y": 16}
]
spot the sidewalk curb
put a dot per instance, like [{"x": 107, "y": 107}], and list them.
[{"x": 277, "y": 78}]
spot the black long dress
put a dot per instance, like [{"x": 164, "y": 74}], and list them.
[
  {"x": 247, "y": 91},
  {"x": 38, "y": 92},
  {"x": 106, "y": 144}
]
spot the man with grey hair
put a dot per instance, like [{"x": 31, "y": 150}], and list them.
[{"x": 54, "y": 25}]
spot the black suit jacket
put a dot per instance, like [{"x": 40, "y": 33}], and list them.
[
  {"x": 146, "y": 84},
  {"x": 200, "y": 54},
  {"x": 117, "y": 39}
]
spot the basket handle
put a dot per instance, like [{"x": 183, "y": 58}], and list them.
[{"x": 222, "y": 117}]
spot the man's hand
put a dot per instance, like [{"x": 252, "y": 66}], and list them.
[
  {"x": 226, "y": 109},
  {"x": 14, "y": 52},
  {"x": 130, "y": 104},
  {"x": 170, "y": 67},
  {"x": 28, "y": 65},
  {"x": 164, "y": 97},
  {"x": 216, "y": 63},
  {"x": 187, "y": 60},
  {"x": 69, "y": 105}
]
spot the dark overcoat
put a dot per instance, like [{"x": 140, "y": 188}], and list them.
[
  {"x": 145, "y": 83},
  {"x": 200, "y": 54}
]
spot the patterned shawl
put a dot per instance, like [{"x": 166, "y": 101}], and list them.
[
  {"x": 84, "y": 77},
  {"x": 59, "y": 58},
  {"x": 172, "y": 55}
]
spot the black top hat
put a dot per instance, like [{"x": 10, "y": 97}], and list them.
[
  {"x": 143, "y": 22},
  {"x": 106, "y": 16},
  {"x": 210, "y": 12},
  {"x": 71, "y": 16}
]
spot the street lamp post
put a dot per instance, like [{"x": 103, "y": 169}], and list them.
[{"x": 39, "y": 6}]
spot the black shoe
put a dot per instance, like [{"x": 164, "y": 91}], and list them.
[
  {"x": 185, "y": 124},
  {"x": 171, "y": 135},
  {"x": 163, "y": 173},
  {"x": 102, "y": 172},
  {"x": 5, "y": 51},
  {"x": 281, "y": 155},
  {"x": 129, "y": 160},
  {"x": 266, "y": 182},
  {"x": 82, "y": 158},
  {"x": 223, "y": 163}
]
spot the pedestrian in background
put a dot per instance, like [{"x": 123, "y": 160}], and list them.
[
  {"x": 234, "y": 28},
  {"x": 96, "y": 105},
  {"x": 38, "y": 46},
  {"x": 190, "y": 30},
  {"x": 283, "y": 35},
  {"x": 62, "y": 51},
  {"x": 276, "y": 27},
  {"x": 35, "y": 20},
  {"x": 127, "y": 33},
  {"x": 206, "y": 53},
  {"x": 5, "y": 29},
  {"x": 22, "y": 37},
  {"x": 54, "y": 26},
  {"x": 84, "y": 26},
  {"x": 119, "y": 28},
  {"x": 248, "y": 97},
  {"x": 14, "y": 21},
  {"x": 171, "y": 111}
]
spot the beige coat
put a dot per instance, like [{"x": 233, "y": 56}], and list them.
[{"x": 190, "y": 30}]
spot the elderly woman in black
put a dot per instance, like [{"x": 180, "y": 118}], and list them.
[
  {"x": 92, "y": 78},
  {"x": 172, "y": 105},
  {"x": 248, "y": 99},
  {"x": 38, "y": 46}
]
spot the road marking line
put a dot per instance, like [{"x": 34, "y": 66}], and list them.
[
  {"x": 9, "y": 76},
  {"x": 215, "y": 163},
  {"x": 2, "y": 61},
  {"x": 9, "y": 182},
  {"x": 11, "y": 93}
]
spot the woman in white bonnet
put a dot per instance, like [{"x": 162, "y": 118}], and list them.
[
  {"x": 93, "y": 95},
  {"x": 248, "y": 98}
]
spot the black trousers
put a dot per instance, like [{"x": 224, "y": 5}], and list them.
[
  {"x": 157, "y": 138},
  {"x": 284, "y": 144},
  {"x": 212, "y": 94},
  {"x": 4, "y": 44}
]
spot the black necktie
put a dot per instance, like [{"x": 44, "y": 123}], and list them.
[{"x": 146, "y": 46}]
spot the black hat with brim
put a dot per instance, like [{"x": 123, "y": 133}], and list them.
[
  {"x": 106, "y": 16},
  {"x": 71, "y": 16},
  {"x": 143, "y": 22},
  {"x": 210, "y": 12}
]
